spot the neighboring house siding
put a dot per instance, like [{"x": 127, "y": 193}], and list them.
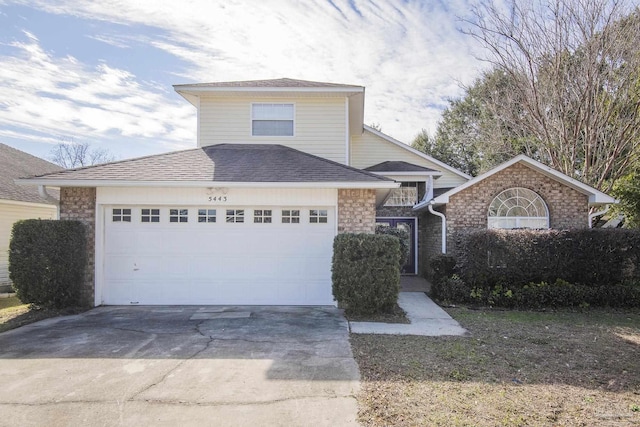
[
  {"x": 369, "y": 149},
  {"x": 319, "y": 124},
  {"x": 9, "y": 214},
  {"x": 356, "y": 211},
  {"x": 467, "y": 209},
  {"x": 79, "y": 204}
]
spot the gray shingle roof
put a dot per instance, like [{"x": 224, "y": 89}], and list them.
[
  {"x": 277, "y": 83},
  {"x": 224, "y": 163},
  {"x": 18, "y": 164},
  {"x": 398, "y": 166}
]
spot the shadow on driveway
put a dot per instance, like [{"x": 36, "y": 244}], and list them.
[{"x": 240, "y": 362}]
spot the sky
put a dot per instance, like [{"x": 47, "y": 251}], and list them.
[{"x": 102, "y": 71}]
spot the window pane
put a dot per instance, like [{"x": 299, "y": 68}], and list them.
[
  {"x": 272, "y": 128},
  {"x": 273, "y": 111}
]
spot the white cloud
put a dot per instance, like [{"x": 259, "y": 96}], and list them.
[
  {"x": 409, "y": 55},
  {"x": 53, "y": 96}
]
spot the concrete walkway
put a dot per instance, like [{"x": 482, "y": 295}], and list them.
[{"x": 426, "y": 317}]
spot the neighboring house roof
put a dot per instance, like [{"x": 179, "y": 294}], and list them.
[
  {"x": 240, "y": 164},
  {"x": 398, "y": 166},
  {"x": 16, "y": 164},
  {"x": 416, "y": 152},
  {"x": 273, "y": 83},
  {"x": 596, "y": 197}
]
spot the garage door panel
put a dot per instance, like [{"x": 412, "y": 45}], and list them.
[{"x": 218, "y": 263}]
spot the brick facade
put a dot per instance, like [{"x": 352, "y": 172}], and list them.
[
  {"x": 429, "y": 240},
  {"x": 468, "y": 209},
  {"x": 356, "y": 211},
  {"x": 79, "y": 204}
]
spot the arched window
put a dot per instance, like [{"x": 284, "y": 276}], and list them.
[{"x": 518, "y": 208}]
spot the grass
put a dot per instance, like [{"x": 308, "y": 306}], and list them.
[
  {"x": 13, "y": 313},
  {"x": 515, "y": 369}
]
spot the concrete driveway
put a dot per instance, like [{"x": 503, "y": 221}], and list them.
[{"x": 139, "y": 366}]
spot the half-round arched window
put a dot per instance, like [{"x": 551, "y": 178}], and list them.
[{"x": 518, "y": 208}]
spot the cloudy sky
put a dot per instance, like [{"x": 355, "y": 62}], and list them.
[{"x": 102, "y": 71}]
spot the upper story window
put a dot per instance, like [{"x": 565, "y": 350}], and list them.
[
  {"x": 518, "y": 208},
  {"x": 406, "y": 195},
  {"x": 272, "y": 119}
]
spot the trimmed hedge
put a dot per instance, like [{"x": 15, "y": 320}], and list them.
[
  {"x": 47, "y": 260},
  {"x": 591, "y": 257},
  {"x": 403, "y": 237},
  {"x": 537, "y": 295},
  {"x": 366, "y": 272}
]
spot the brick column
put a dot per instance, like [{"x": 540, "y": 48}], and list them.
[
  {"x": 356, "y": 211},
  {"x": 79, "y": 204}
]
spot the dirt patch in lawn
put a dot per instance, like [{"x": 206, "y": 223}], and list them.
[
  {"x": 396, "y": 315},
  {"x": 13, "y": 313},
  {"x": 516, "y": 369}
]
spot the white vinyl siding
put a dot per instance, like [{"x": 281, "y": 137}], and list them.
[
  {"x": 369, "y": 149},
  {"x": 320, "y": 124},
  {"x": 9, "y": 214}
]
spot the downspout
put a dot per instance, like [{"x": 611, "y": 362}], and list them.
[
  {"x": 444, "y": 227},
  {"x": 42, "y": 191},
  {"x": 595, "y": 214}
]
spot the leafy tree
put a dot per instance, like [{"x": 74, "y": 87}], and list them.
[
  {"x": 72, "y": 154},
  {"x": 627, "y": 189},
  {"x": 572, "y": 74}
]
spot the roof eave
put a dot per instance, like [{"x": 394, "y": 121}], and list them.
[
  {"x": 405, "y": 173},
  {"x": 204, "y": 184}
]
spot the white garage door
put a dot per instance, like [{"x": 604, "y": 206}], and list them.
[{"x": 218, "y": 255}]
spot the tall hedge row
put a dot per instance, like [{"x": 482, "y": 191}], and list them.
[
  {"x": 402, "y": 236},
  {"x": 366, "y": 272},
  {"x": 47, "y": 260},
  {"x": 593, "y": 257}
]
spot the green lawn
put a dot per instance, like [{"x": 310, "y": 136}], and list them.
[{"x": 515, "y": 369}]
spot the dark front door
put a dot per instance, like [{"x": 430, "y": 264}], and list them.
[{"x": 409, "y": 225}]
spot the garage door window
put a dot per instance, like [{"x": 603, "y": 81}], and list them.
[
  {"x": 235, "y": 215},
  {"x": 206, "y": 215},
  {"x": 121, "y": 215},
  {"x": 290, "y": 216},
  {"x": 262, "y": 216},
  {"x": 318, "y": 216},
  {"x": 150, "y": 215},
  {"x": 178, "y": 215}
]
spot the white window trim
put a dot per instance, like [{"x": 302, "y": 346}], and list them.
[
  {"x": 272, "y": 136},
  {"x": 206, "y": 215},
  {"x": 318, "y": 217},
  {"x": 405, "y": 197},
  {"x": 179, "y": 215},
  {"x": 122, "y": 215},
  {"x": 518, "y": 219},
  {"x": 235, "y": 216},
  {"x": 291, "y": 215},
  {"x": 151, "y": 215}
]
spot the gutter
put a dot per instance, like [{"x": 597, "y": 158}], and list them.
[
  {"x": 595, "y": 214},
  {"x": 444, "y": 227}
]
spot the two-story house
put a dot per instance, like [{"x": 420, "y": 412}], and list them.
[{"x": 281, "y": 167}]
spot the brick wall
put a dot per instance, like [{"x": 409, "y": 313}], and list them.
[
  {"x": 80, "y": 204},
  {"x": 468, "y": 208},
  {"x": 429, "y": 239},
  {"x": 356, "y": 211}
]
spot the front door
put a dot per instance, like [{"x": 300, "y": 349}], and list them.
[{"x": 409, "y": 225}]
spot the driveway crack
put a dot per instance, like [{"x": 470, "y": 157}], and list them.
[{"x": 182, "y": 362}]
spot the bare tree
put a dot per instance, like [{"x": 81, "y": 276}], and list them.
[
  {"x": 72, "y": 154},
  {"x": 574, "y": 67}
]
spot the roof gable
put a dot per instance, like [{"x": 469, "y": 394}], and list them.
[
  {"x": 595, "y": 196},
  {"x": 412, "y": 150},
  {"x": 16, "y": 164}
]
